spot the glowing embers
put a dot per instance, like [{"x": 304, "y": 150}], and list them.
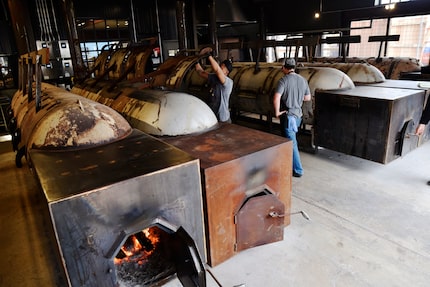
[{"x": 145, "y": 258}]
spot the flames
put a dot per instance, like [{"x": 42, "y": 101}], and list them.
[{"x": 138, "y": 247}]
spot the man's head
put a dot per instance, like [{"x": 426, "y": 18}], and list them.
[
  {"x": 228, "y": 65},
  {"x": 289, "y": 63}
]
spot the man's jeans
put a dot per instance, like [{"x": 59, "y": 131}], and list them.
[{"x": 289, "y": 131}]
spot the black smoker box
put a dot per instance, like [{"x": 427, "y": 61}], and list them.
[
  {"x": 372, "y": 122},
  {"x": 101, "y": 197}
]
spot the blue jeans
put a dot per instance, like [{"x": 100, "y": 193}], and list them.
[{"x": 289, "y": 132}]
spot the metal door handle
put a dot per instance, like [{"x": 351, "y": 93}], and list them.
[{"x": 275, "y": 214}]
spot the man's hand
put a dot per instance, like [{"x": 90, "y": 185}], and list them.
[
  {"x": 278, "y": 114},
  {"x": 420, "y": 129},
  {"x": 206, "y": 51}
]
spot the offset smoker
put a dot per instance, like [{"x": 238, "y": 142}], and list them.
[
  {"x": 246, "y": 179},
  {"x": 372, "y": 122},
  {"x": 105, "y": 184},
  {"x": 99, "y": 197}
]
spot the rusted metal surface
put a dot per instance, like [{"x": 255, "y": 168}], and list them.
[
  {"x": 65, "y": 120},
  {"x": 236, "y": 162},
  {"x": 367, "y": 121},
  {"x": 255, "y": 225},
  {"x": 155, "y": 111},
  {"x": 391, "y": 67},
  {"x": 254, "y": 87},
  {"x": 99, "y": 196}
]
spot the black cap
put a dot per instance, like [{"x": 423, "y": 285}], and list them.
[{"x": 228, "y": 65}]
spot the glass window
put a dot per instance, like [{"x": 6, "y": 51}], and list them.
[
  {"x": 98, "y": 34},
  {"x": 282, "y": 52},
  {"x": 367, "y": 29},
  {"x": 383, "y": 2},
  {"x": 330, "y": 50},
  {"x": 414, "y": 39}
]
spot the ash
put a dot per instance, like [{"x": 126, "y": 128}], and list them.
[{"x": 132, "y": 274}]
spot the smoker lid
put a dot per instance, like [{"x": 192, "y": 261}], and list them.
[
  {"x": 67, "y": 173},
  {"x": 227, "y": 142}
]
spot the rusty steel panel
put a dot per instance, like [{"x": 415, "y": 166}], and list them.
[
  {"x": 234, "y": 162},
  {"x": 260, "y": 221},
  {"x": 367, "y": 121}
]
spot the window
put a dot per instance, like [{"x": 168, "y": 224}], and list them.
[
  {"x": 414, "y": 39},
  {"x": 100, "y": 34},
  {"x": 90, "y": 50},
  {"x": 330, "y": 50},
  {"x": 282, "y": 52},
  {"x": 383, "y": 2}
]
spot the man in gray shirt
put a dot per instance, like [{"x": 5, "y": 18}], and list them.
[
  {"x": 291, "y": 91},
  {"x": 221, "y": 86}
]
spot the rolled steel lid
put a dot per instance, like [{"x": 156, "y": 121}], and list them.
[
  {"x": 168, "y": 113},
  {"x": 77, "y": 122}
]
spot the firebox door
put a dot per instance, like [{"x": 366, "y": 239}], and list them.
[
  {"x": 255, "y": 224},
  {"x": 152, "y": 256}
]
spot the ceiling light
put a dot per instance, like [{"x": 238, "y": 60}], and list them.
[{"x": 390, "y": 6}]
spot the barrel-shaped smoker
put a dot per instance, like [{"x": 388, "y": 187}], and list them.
[{"x": 64, "y": 120}]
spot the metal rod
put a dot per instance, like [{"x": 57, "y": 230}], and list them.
[
  {"x": 275, "y": 214},
  {"x": 133, "y": 23},
  {"x": 38, "y": 75},
  {"x": 213, "y": 276},
  {"x": 30, "y": 79}
]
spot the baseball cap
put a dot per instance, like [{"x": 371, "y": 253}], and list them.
[
  {"x": 228, "y": 65},
  {"x": 290, "y": 63}
]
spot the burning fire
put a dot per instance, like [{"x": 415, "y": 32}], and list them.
[{"x": 138, "y": 247}]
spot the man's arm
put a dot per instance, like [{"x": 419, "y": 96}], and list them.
[
  {"x": 202, "y": 73},
  {"x": 217, "y": 69},
  {"x": 425, "y": 118},
  {"x": 307, "y": 96},
  {"x": 277, "y": 104}
]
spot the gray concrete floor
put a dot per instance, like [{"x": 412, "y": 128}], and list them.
[{"x": 369, "y": 226}]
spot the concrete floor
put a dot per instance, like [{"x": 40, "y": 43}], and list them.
[{"x": 369, "y": 226}]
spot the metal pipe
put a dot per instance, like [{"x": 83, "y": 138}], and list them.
[
  {"x": 73, "y": 39},
  {"x": 133, "y": 24},
  {"x": 41, "y": 21},
  {"x": 213, "y": 27},
  {"x": 55, "y": 20},
  {"x": 46, "y": 20},
  {"x": 30, "y": 78},
  {"x": 180, "y": 20},
  {"x": 159, "y": 31},
  {"x": 38, "y": 76}
]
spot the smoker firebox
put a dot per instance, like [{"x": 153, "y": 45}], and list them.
[
  {"x": 370, "y": 122},
  {"x": 99, "y": 197},
  {"x": 246, "y": 175}
]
